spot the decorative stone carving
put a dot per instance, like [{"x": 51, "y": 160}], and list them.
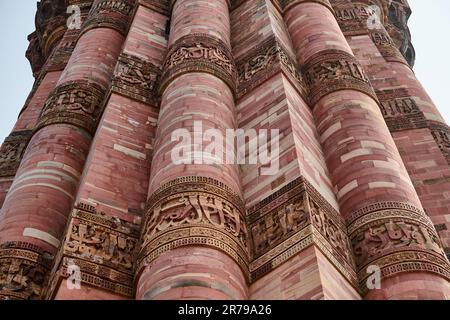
[
  {"x": 400, "y": 110},
  {"x": 332, "y": 70},
  {"x": 114, "y": 14},
  {"x": 160, "y": 6},
  {"x": 199, "y": 53},
  {"x": 386, "y": 46},
  {"x": 79, "y": 103},
  {"x": 34, "y": 54},
  {"x": 11, "y": 152},
  {"x": 290, "y": 221},
  {"x": 263, "y": 62},
  {"x": 353, "y": 18},
  {"x": 136, "y": 79},
  {"x": 23, "y": 271},
  {"x": 195, "y": 211},
  {"x": 396, "y": 240},
  {"x": 441, "y": 134},
  {"x": 104, "y": 248}
]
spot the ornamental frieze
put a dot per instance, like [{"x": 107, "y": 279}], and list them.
[
  {"x": 290, "y": 221},
  {"x": 23, "y": 271},
  {"x": 199, "y": 53},
  {"x": 102, "y": 247},
  {"x": 136, "y": 79},
  {"x": 400, "y": 110},
  {"x": 194, "y": 210},
  {"x": 396, "y": 240},
  {"x": 441, "y": 134},
  {"x": 11, "y": 152},
  {"x": 386, "y": 46},
  {"x": 114, "y": 14},
  {"x": 79, "y": 103},
  {"x": 333, "y": 70},
  {"x": 285, "y": 5},
  {"x": 263, "y": 62}
]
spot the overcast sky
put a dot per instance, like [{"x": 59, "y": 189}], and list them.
[{"x": 429, "y": 25}]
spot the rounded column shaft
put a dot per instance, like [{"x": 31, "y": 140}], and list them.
[
  {"x": 386, "y": 223},
  {"x": 194, "y": 240}
]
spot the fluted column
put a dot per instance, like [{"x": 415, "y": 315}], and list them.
[
  {"x": 35, "y": 212},
  {"x": 385, "y": 218},
  {"x": 194, "y": 239}
]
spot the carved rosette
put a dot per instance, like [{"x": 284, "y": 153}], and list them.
[
  {"x": 396, "y": 238},
  {"x": 114, "y": 14},
  {"x": 23, "y": 271},
  {"x": 333, "y": 70},
  {"x": 136, "y": 79},
  {"x": 265, "y": 61},
  {"x": 102, "y": 247},
  {"x": 11, "y": 152},
  {"x": 199, "y": 53},
  {"x": 441, "y": 134},
  {"x": 194, "y": 211},
  {"x": 400, "y": 110},
  {"x": 79, "y": 103},
  {"x": 292, "y": 220}
]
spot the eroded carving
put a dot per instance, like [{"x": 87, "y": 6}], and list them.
[{"x": 11, "y": 152}]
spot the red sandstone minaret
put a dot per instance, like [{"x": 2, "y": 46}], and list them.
[{"x": 93, "y": 205}]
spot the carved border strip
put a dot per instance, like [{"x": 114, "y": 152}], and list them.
[
  {"x": 194, "y": 211},
  {"x": 79, "y": 103},
  {"x": 400, "y": 110},
  {"x": 263, "y": 62},
  {"x": 23, "y": 271},
  {"x": 291, "y": 220},
  {"x": 114, "y": 14},
  {"x": 396, "y": 238},
  {"x": 199, "y": 53},
  {"x": 137, "y": 79},
  {"x": 441, "y": 134},
  {"x": 286, "y": 5},
  {"x": 103, "y": 247},
  {"x": 333, "y": 70},
  {"x": 11, "y": 152}
]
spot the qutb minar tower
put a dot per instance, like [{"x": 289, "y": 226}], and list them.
[{"x": 93, "y": 205}]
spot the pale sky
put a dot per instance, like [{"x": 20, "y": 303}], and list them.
[{"x": 429, "y": 26}]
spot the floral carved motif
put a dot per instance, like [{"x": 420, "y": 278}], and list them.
[
  {"x": 79, "y": 103},
  {"x": 136, "y": 79},
  {"x": 333, "y": 70},
  {"x": 11, "y": 152},
  {"x": 199, "y": 53}
]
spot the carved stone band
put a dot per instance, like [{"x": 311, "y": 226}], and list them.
[
  {"x": 194, "y": 212},
  {"x": 136, "y": 79},
  {"x": 397, "y": 240},
  {"x": 114, "y": 14},
  {"x": 23, "y": 271},
  {"x": 11, "y": 152},
  {"x": 290, "y": 221},
  {"x": 333, "y": 70},
  {"x": 286, "y": 5},
  {"x": 103, "y": 248},
  {"x": 441, "y": 134},
  {"x": 79, "y": 103},
  {"x": 263, "y": 62},
  {"x": 199, "y": 53}
]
